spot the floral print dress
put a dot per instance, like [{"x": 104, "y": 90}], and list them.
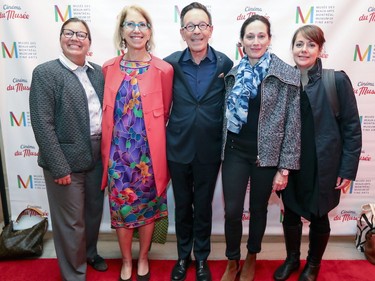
[{"x": 132, "y": 192}]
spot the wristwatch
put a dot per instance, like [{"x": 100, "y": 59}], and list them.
[{"x": 284, "y": 172}]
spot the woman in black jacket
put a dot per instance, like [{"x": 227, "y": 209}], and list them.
[{"x": 330, "y": 150}]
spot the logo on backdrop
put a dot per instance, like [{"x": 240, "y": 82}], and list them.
[
  {"x": 362, "y": 187},
  {"x": 31, "y": 182},
  {"x": 349, "y": 188},
  {"x": 346, "y": 215},
  {"x": 368, "y": 123},
  {"x": 315, "y": 14},
  {"x": 26, "y": 150},
  {"x": 20, "y": 119},
  {"x": 364, "y": 53},
  {"x": 369, "y": 15},
  {"x": 365, "y": 157},
  {"x": 177, "y": 12},
  {"x": 19, "y": 50},
  {"x": 18, "y": 85},
  {"x": 81, "y": 11},
  {"x": 250, "y": 11},
  {"x": 13, "y": 12},
  {"x": 364, "y": 88}
]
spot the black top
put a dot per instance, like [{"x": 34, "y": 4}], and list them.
[{"x": 246, "y": 139}]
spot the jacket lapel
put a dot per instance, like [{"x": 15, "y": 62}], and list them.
[{"x": 113, "y": 81}]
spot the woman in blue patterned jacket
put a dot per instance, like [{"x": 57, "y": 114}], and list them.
[{"x": 261, "y": 139}]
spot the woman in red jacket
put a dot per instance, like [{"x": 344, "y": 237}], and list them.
[{"x": 137, "y": 100}]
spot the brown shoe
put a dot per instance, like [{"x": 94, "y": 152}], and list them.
[
  {"x": 248, "y": 268},
  {"x": 233, "y": 268}
]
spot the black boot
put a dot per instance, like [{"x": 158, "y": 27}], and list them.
[
  {"x": 317, "y": 246},
  {"x": 292, "y": 235}
]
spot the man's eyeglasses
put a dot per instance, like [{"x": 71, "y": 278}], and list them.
[
  {"x": 132, "y": 25},
  {"x": 191, "y": 27},
  {"x": 79, "y": 34}
]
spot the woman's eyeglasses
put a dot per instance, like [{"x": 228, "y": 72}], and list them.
[
  {"x": 79, "y": 34},
  {"x": 132, "y": 25}
]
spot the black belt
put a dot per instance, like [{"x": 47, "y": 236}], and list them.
[{"x": 96, "y": 137}]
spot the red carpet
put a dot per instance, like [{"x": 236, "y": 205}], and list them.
[{"x": 47, "y": 270}]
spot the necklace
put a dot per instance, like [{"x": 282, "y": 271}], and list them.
[{"x": 146, "y": 58}]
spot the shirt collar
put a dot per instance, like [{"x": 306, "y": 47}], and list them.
[
  {"x": 187, "y": 55},
  {"x": 71, "y": 65}
]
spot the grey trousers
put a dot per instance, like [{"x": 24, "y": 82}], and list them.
[{"x": 76, "y": 213}]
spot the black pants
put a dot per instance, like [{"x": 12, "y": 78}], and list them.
[
  {"x": 236, "y": 170},
  {"x": 193, "y": 188},
  {"x": 319, "y": 225}
]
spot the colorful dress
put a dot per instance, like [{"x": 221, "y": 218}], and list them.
[{"x": 132, "y": 192}]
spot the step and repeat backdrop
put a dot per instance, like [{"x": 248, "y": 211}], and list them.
[{"x": 29, "y": 35}]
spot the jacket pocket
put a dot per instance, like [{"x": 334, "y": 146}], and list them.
[
  {"x": 152, "y": 101},
  {"x": 158, "y": 112}
]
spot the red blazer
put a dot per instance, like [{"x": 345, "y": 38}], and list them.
[{"x": 155, "y": 86}]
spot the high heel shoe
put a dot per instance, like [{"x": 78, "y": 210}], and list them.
[
  {"x": 128, "y": 279},
  {"x": 145, "y": 277}
]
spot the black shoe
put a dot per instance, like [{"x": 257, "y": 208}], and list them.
[
  {"x": 284, "y": 271},
  {"x": 179, "y": 270},
  {"x": 145, "y": 277},
  {"x": 98, "y": 263},
  {"x": 310, "y": 272},
  {"x": 203, "y": 271}
]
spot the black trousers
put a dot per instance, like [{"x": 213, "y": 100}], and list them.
[
  {"x": 236, "y": 170},
  {"x": 319, "y": 225},
  {"x": 193, "y": 188}
]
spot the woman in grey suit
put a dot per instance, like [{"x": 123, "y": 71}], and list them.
[{"x": 65, "y": 106}]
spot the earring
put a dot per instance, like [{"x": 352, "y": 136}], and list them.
[{"x": 123, "y": 44}]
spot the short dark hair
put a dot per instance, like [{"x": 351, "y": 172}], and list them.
[
  {"x": 311, "y": 32},
  {"x": 194, "y": 5},
  {"x": 252, "y": 19},
  {"x": 76, "y": 20}
]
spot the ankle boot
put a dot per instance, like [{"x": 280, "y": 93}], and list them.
[
  {"x": 292, "y": 235},
  {"x": 317, "y": 246},
  {"x": 248, "y": 268},
  {"x": 233, "y": 267},
  {"x": 309, "y": 273}
]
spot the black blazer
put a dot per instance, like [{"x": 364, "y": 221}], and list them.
[{"x": 195, "y": 126}]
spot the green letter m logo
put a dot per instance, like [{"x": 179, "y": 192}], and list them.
[
  {"x": 357, "y": 53},
  {"x": 67, "y": 15},
  {"x": 28, "y": 183},
  {"x": 18, "y": 122},
  {"x": 176, "y": 14},
  {"x": 6, "y": 52},
  {"x": 299, "y": 15}
]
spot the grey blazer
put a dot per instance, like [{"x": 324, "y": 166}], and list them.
[
  {"x": 279, "y": 129},
  {"x": 60, "y": 117}
]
